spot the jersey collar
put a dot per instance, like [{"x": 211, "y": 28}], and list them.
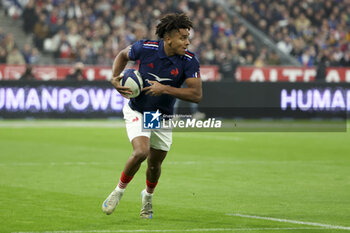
[{"x": 162, "y": 54}]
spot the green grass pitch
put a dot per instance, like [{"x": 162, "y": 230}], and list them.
[{"x": 55, "y": 177}]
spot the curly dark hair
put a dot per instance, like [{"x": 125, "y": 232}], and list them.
[{"x": 173, "y": 21}]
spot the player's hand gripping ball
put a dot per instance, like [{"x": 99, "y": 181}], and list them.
[{"x": 133, "y": 80}]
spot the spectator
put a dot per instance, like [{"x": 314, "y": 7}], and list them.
[
  {"x": 73, "y": 37},
  {"x": 77, "y": 74},
  {"x": 8, "y": 42},
  {"x": 52, "y": 44},
  {"x": 322, "y": 63},
  {"x": 273, "y": 59},
  {"x": 28, "y": 74},
  {"x": 74, "y": 10},
  {"x": 3, "y": 55},
  {"x": 227, "y": 68},
  {"x": 2, "y": 35},
  {"x": 41, "y": 31},
  {"x": 15, "y": 57},
  {"x": 302, "y": 23},
  {"x": 345, "y": 61},
  {"x": 307, "y": 58},
  {"x": 56, "y": 28},
  {"x": 64, "y": 49},
  {"x": 13, "y": 8},
  {"x": 260, "y": 61},
  {"x": 29, "y": 17},
  {"x": 285, "y": 45},
  {"x": 34, "y": 56},
  {"x": 27, "y": 53}
]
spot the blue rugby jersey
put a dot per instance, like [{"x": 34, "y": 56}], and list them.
[{"x": 155, "y": 65}]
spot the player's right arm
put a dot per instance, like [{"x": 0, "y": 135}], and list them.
[{"x": 119, "y": 64}]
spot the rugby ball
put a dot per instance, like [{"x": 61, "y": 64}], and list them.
[{"x": 132, "y": 79}]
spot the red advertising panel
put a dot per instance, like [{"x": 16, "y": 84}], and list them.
[
  {"x": 46, "y": 73},
  {"x": 289, "y": 74}
]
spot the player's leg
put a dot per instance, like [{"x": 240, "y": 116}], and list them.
[
  {"x": 154, "y": 167},
  {"x": 160, "y": 143},
  {"x": 141, "y": 144},
  {"x": 154, "y": 163},
  {"x": 140, "y": 153}
]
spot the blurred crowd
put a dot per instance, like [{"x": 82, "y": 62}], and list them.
[
  {"x": 313, "y": 31},
  {"x": 93, "y": 32},
  {"x": 10, "y": 53}
]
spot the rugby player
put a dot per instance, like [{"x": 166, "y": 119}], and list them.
[{"x": 165, "y": 65}]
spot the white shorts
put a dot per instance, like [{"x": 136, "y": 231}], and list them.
[{"x": 159, "y": 139}]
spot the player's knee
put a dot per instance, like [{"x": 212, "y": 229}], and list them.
[
  {"x": 154, "y": 168},
  {"x": 154, "y": 165},
  {"x": 140, "y": 154}
]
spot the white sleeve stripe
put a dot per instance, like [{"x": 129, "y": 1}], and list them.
[
  {"x": 150, "y": 45},
  {"x": 188, "y": 56}
]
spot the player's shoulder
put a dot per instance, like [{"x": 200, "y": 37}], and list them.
[
  {"x": 190, "y": 57},
  {"x": 150, "y": 44}
]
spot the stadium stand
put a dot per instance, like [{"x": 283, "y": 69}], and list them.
[
  {"x": 310, "y": 30},
  {"x": 93, "y": 32}
]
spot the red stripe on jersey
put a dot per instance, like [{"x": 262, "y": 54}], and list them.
[
  {"x": 189, "y": 54},
  {"x": 151, "y": 43}
]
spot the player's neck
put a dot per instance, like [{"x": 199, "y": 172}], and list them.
[{"x": 168, "y": 50}]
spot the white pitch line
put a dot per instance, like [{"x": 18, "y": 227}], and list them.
[
  {"x": 62, "y": 124},
  {"x": 291, "y": 221},
  {"x": 183, "y": 230},
  {"x": 207, "y": 136},
  {"x": 236, "y": 162}
]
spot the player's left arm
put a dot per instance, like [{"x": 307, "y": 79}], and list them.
[{"x": 192, "y": 93}]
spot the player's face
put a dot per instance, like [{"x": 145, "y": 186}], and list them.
[{"x": 177, "y": 42}]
